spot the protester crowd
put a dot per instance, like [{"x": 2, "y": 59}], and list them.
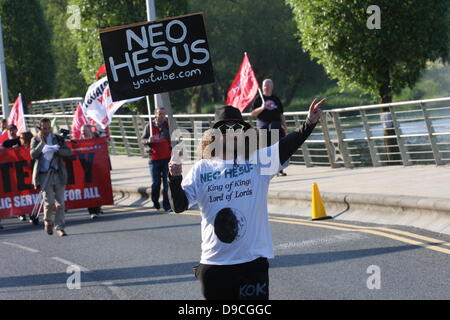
[
  {"x": 47, "y": 151},
  {"x": 267, "y": 108}
]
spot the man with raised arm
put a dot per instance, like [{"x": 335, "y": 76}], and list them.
[{"x": 231, "y": 190}]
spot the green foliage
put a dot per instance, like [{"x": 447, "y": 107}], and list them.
[
  {"x": 95, "y": 16},
  {"x": 336, "y": 98},
  {"x": 100, "y": 14},
  {"x": 265, "y": 29},
  {"x": 380, "y": 61},
  {"x": 434, "y": 83},
  {"x": 28, "y": 54},
  {"x": 69, "y": 81}
]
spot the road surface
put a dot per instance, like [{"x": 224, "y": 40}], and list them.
[{"x": 139, "y": 253}]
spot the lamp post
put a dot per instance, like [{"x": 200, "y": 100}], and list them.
[
  {"x": 3, "y": 79},
  {"x": 160, "y": 99}
]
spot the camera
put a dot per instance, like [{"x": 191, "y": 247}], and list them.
[
  {"x": 64, "y": 136},
  {"x": 64, "y": 133}
]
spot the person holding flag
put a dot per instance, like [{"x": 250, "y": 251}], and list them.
[
  {"x": 15, "y": 125},
  {"x": 267, "y": 107},
  {"x": 16, "y": 141},
  {"x": 13, "y": 140},
  {"x": 268, "y": 110}
]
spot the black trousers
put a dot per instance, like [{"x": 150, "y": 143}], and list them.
[
  {"x": 245, "y": 281},
  {"x": 274, "y": 125}
]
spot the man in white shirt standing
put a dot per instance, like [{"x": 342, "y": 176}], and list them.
[
  {"x": 48, "y": 150},
  {"x": 231, "y": 189}
]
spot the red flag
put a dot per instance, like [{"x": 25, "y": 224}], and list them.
[
  {"x": 3, "y": 137},
  {"x": 244, "y": 87},
  {"x": 16, "y": 116},
  {"x": 79, "y": 119},
  {"x": 101, "y": 70}
]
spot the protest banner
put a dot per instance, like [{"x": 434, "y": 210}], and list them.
[
  {"x": 98, "y": 104},
  {"x": 158, "y": 56},
  {"x": 89, "y": 179}
]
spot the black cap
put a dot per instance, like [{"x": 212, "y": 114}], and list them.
[{"x": 228, "y": 113}]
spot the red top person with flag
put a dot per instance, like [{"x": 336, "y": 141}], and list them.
[
  {"x": 16, "y": 118},
  {"x": 244, "y": 87}
]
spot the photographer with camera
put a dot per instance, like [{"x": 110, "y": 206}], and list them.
[{"x": 50, "y": 175}]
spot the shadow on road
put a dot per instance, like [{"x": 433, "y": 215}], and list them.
[
  {"x": 75, "y": 218},
  {"x": 184, "y": 270},
  {"x": 107, "y": 275},
  {"x": 306, "y": 259}
]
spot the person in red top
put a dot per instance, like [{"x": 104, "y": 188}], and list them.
[{"x": 159, "y": 149}]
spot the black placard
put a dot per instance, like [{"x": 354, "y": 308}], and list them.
[{"x": 158, "y": 56}]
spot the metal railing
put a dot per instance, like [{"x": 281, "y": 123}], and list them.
[{"x": 346, "y": 137}]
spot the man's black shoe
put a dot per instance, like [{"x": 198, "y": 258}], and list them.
[{"x": 156, "y": 205}]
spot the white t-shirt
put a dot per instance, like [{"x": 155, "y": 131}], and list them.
[{"x": 233, "y": 201}]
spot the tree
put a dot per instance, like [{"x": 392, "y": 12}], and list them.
[
  {"x": 68, "y": 78},
  {"x": 28, "y": 55},
  {"x": 380, "y": 61},
  {"x": 264, "y": 29},
  {"x": 100, "y": 14}
]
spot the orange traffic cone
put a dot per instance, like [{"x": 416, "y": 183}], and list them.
[{"x": 317, "y": 208}]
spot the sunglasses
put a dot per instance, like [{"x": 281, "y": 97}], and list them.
[{"x": 235, "y": 127}]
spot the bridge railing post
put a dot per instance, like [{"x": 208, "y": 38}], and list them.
[
  {"x": 373, "y": 152},
  {"x": 327, "y": 140},
  {"x": 341, "y": 142},
  {"x": 434, "y": 146},
  {"x": 401, "y": 145}
]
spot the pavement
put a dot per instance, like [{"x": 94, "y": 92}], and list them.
[{"x": 416, "y": 196}]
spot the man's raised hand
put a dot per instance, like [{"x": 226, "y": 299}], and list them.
[
  {"x": 175, "y": 167},
  {"x": 315, "y": 112}
]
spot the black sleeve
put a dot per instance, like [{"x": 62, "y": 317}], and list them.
[
  {"x": 256, "y": 103},
  {"x": 280, "y": 104},
  {"x": 145, "y": 136},
  {"x": 290, "y": 143},
  {"x": 177, "y": 197},
  {"x": 165, "y": 131}
]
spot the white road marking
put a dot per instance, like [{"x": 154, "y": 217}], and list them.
[
  {"x": 69, "y": 263},
  {"x": 21, "y": 247},
  {"x": 115, "y": 290},
  {"x": 314, "y": 242}
]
